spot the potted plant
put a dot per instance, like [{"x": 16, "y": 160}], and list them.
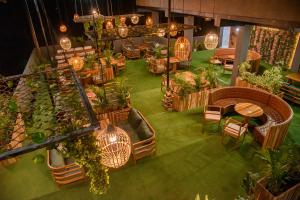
[
  {"x": 100, "y": 103},
  {"x": 123, "y": 93},
  {"x": 281, "y": 174}
]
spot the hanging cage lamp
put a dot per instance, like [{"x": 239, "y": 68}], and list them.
[
  {"x": 211, "y": 41},
  {"x": 173, "y": 29},
  {"x": 76, "y": 17},
  {"x": 149, "y": 21},
  {"x": 115, "y": 146},
  {"x": 63, "y": 28},
  {"x": 123, "y": 30},
  {"x": 135, "y": 19},
  {"x": 161, "y": 32},
  {"x": 76, "y": 62},
  {"x": 182, "y": 49},
  {"x": 65, "y": 43}
]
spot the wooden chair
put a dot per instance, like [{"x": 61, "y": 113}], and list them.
[
  {"x": 121, "y": 65},
  {"x": 235, "y": 129},
  {"x": 228, "y": 65},
  {"x": 212, "y": 114}
]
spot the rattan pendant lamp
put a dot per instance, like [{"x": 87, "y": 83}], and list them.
[{"x": 115, "y": 146}]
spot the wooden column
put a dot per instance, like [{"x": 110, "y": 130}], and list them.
[
  {"x": 241, "y": 51},
  {"x": 189, "y": 33},
  {"x": 296, "y": 60}
]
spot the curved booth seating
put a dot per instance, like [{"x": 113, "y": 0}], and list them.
[
  {"x": 63, "y": 170},
  {"x": 228, "y": 54},
  {"x": 273, "y": 133}
]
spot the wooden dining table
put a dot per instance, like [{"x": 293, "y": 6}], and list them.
[{"x": 248, "y": 110}]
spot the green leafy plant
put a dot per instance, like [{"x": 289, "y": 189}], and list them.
[
  {"x": 271, "y": 79},
  {"x": 185, "y": 87},
  {"x": 101, "y": 102},
  {"x": 249, "y": 183},
  {"x": 86, "y": 153},
  {"x": 211, "y": 76},
  {"x": 123, "y": 92}
]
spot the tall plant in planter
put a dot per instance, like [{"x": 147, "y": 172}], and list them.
[
  {"x": 101, "y": 102},
  {"x": 123, "y": 92}
]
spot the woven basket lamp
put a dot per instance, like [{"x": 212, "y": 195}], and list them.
[
  {"x": 173, "y": 29},
  {"x": 135, "y": 19},
  {"x": 63, "y": 28},
  {"x": 211, "y": 41},
  {"x": 182, "y": 49},
  {"x": 115, "y": 146},
  {"x": 149, "y": 21},
  {"x": 109, "y": 25},
  {"x": 65, "y": 43},
  {"x": 76, "y": 62},
  {"x": 161, "y": 32}
]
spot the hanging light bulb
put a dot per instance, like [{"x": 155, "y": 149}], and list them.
[
  {"x": 94, "y": 12},
  {"x": 161, "y": 32},
  {"x": 123, "y": 30},
  {"x": 76, "y": 62},
  {"x": 115, "y": 146},
  {"x": 109, "y": 25},
  {"x": 76, "y": 17},
  {"x": 135, "y": 19},
  {"x": 122, "y": 19},
  {"x": 173, "y": 29},
  {"x": 63, "y": 28},
  {"x": 65, "y": 43},
  {"x": 211, "y": 41},
  {"x": 149, "y": 21}
]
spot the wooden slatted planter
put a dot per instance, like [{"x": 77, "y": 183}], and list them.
[{"x": 190, "y": 101}]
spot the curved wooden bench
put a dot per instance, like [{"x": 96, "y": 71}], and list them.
[
  {"x": 229, "y": 53},
  {"x": 273, "y": 106}
]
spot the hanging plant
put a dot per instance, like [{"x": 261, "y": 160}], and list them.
[{"x": 87, "y": 155}]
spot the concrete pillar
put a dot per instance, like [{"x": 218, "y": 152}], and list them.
[
  {"x": 241, "y": 51},
  {"x": 155, "y": 17},
  {"x": 296, "y": 60},
  {"x": 189, "y": 34}
]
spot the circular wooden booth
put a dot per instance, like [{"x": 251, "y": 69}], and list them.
[
  {"x": 229, "y": 53},
  {"x": 277, "y": 113}
]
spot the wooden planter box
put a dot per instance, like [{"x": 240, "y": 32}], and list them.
[
  {"x": 190, "y": 101},
  {"x": 261, "y": 193},
  {"x": 114, "y": 116}
]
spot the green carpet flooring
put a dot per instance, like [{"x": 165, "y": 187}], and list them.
[{"x": 186, "y": 161}]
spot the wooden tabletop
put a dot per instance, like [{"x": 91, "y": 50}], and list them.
[
  {"x": 294, "y": 77},
  {"x": 248, "y": 109}
]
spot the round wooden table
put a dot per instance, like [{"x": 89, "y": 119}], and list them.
[{"x": 248, "y": 110}]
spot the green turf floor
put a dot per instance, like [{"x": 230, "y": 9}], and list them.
[{"x": 186, "y": 162}]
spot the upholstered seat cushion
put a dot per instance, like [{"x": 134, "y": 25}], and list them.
[
  {"x": 212, "y": 115},
  {"x": 57, "y": 159},
  {"x": 233, "y": 129},
  {"x": 143, "y": 131},
  {"x": 264, "y": 129},
  {"x": 134, "y": 118}
]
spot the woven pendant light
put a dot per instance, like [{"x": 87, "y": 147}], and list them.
[
  {"x": 182, "y": 49},
  {"x": 76, "y": 62},
  {"x": 173, "y": 29},
  {"x": 109, "y": 25},
  {"x": 65, "y": 43},
  {"x": 135, "y": 19},
  {"x": 63, "y": 28},
  {"x": 149, "y": 21},
  {"x": 161, "y": 32},
  {"x": 115, "y": 146},
  {"x": 211, "y": 41}
]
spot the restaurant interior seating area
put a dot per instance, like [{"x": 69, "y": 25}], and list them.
[{"x": 170, "y": 99}]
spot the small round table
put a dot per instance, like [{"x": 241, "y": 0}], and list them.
[{"x": 248, "y": 110}]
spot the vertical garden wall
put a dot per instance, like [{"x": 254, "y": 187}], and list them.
[{"x": 274, "y": 45}]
